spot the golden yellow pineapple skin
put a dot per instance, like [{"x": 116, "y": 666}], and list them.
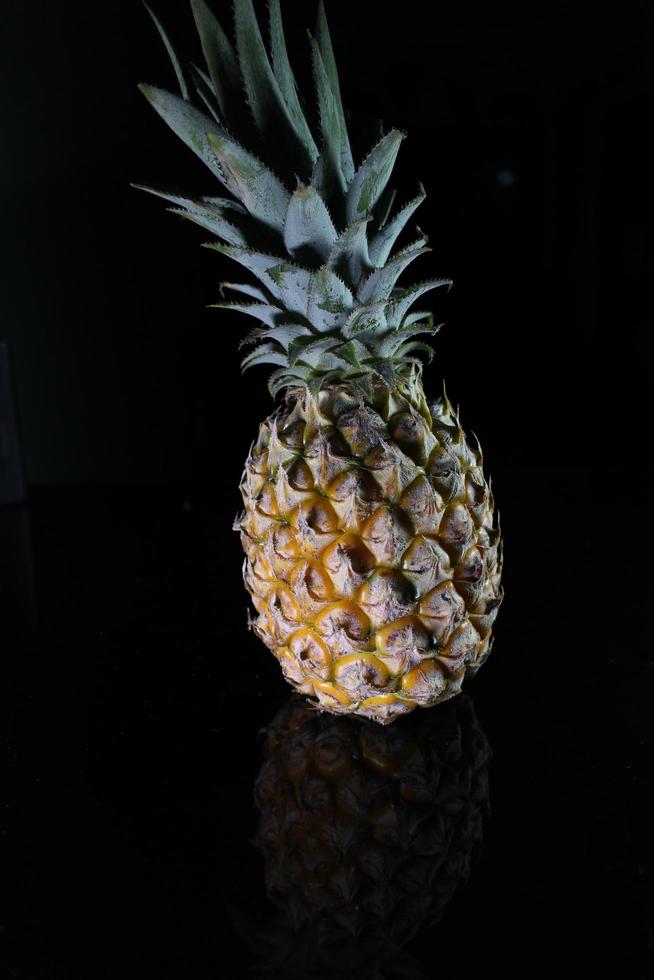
[{"x": 372, "y": 554}]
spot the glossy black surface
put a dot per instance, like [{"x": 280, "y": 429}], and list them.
[{"x": 135, "y": 698}]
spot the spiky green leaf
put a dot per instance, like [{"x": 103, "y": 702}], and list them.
[
  {"x": 352, "y": 352},
  {"x": 381, "y": 282},
  {"x": 328, "y": 171},
  {"x": 309, "y": 349},
  {"x": 285, "y": 333},
  {"x": 417, "y": 317},
  {"x": 192, "y": 126},
  {"x": 181, "y": 81},
  {"x": 384, "y": 204},
  {"x": 264, "y": 354},
  {"x": 308, "y": 226},
  {"x": 369, "y": 319},
  {"x": 215, "y": 223},
  {"x": 269, "y": 110},
  {"x": 221, "y": 62},
  {"x": 288, "y": 283},
  {"x": 249, "y": 289},
  {"x": 389, "y": 344},
  {"x": 329, "y": 61},
  {"x": 262, "y": 193},
  {"x": 385, "y": 371},
  {"x": 182, "y": 201},
  {"x": 330, "y": 300},
  {"x": 205, "y": 91},
  {"x": 284, "y": 378},
  {"x": 413, "y": 347},
  {"x": 261, "y": 311},
  {"x": 372, "y": 176},
  {"x": 285, "y": 78},
  {"x": 402, "y": 303},
  {"x": 382, "y": 243},
  {"x": 209, "y": 214},
  {"x": 349, "y": 253}
]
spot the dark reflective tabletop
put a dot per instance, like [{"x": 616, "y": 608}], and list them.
[{"x": 173, "y": 812}]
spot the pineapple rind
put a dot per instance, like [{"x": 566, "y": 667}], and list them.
[{"x": 372, "y": 554}]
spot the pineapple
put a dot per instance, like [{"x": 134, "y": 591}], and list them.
[
  {"x": 373, "y": 556},
  {"x": 367, "y": 834}
]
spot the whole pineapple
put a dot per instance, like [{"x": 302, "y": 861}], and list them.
[
  {"x": 367, "y": 833},
  {"x": 372, "y": 554}
]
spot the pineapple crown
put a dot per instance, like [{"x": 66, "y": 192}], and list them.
[{"x": 322, "y": 255}]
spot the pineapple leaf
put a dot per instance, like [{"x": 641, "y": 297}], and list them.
[
  {"x": 329, "y": 61},
  {"x": 215, "y": 223},
  {"x": 264, "y": 354},
  {"x": 383, "y": 241},
  {"x": 384, "y": 204},
  {"x": 352, "y": 352},
  {"x": 372, "y": 176},
  {"x": 402, "y": 303},
  {"x": 415, "y": 345},
  {"x": 349, "y": 253},
  {"x": 390, "y": 344},
  {"x": 269, "y": 110},
  {"x": 331, "y": 361},
  {"x": 416, "y": 317},
  {"x": 248, "y": 289},
  {"x": 328, "y": 167},
  {"x": 187, "y": 122},
  {"x": 419, "y": 242},
  {"x": 284, "y": 378},
  {"x": 308, "y": 225},
  {"x": 262, "y": 311},
  {"x": 201, "y": 73},
  {"x": 182, "y": 201},
  {"x": 285, "y": 333},
  {"x": 310, "y": 350},
  {"x": 289, "y": 283},
  {"x": 368, "y": 319},
  {"x": 208, "y": 214},
  {"x": 181, "y": 81},
  {"x": 330, "y": 300},
  {"x": 205, "y": 91},
  {"x": 385, "y": 371},
  {"x": 252, "y": 337},
  {"x": 262, "y": 193},
  {"x": 381, "y": 282},
  {"x": 285, "y": 78},
  {"x": 221, "y": 61}
]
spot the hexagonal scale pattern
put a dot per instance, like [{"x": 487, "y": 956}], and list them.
[{"x": 373, "y": 557}]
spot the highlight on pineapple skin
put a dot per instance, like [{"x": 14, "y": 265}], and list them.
[
  {"x": 373, "y": 555},
  {"x": 368, "y": 833}
]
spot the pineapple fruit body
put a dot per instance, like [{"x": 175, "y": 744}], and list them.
[{"x": 372, "y": 556}]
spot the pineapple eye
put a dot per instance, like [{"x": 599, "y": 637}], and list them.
[
  {"x": 293, "y": 435},
  {"x": 300, "y": 476},
  {"x": 409, "y": 434},
  {"x": 320, "y": 516},
  {"x": 360, "y": 560}
]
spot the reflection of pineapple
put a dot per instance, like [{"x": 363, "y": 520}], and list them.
[
  {"x": 367, "y": 833},
  {"x": 373, "y": 558}
]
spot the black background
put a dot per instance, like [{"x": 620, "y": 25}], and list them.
[{"x": 133, "y": 690}]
